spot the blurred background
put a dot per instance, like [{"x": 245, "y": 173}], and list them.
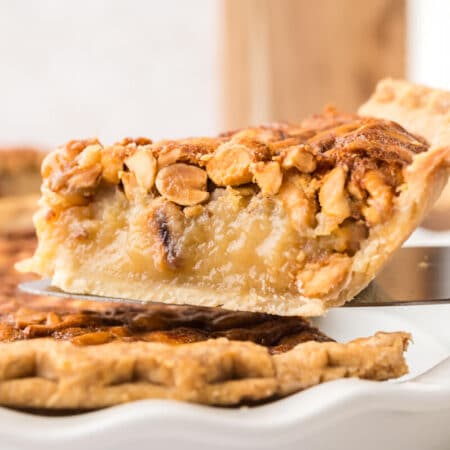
[{"x": 173, "y": 68}]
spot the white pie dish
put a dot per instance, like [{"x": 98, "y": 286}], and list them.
[{"x": 411, "y": 413}]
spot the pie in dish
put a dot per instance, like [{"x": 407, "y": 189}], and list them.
[
  {"x": 60, "y": 354},
  {"x": 286, "y": 219},
  {"x": 20, "y": 179}
]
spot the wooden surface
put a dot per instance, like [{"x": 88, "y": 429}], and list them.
[{"x": 284, "y": 59}]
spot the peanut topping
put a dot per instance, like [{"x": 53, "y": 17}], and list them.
[
  {"x": 169, "y": 156},
  {"x": 348, "y": 236},
  {"x": 90, "y": 156},
  {"x": 298, "y": 157},
  {"x": 268, "y": 177},
  {"x": 300, "y": 208},
  {"x": 317, "y": 280},
  {"x": 112, "y": 163},
  {"x": 380, "y": 197},
  {"x": 130, "y": 185},
  {"x": 182, "y": 184},
  {"x": 84, "y": 178},
  {"x": 230, "y": 165},
  {"x": 143, "y": 164},
  {"x": 193, "y": 211},
  {"x": 332, "y": 195},
  {"x": 79, "y": 180},
  {"x": 51, "y": 164}
]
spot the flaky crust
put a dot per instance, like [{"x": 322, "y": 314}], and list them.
[
  {"x": 45, "y": 373},
  {"x": 424, "y": 111},
  {"x": 420, "y": 109},
  {"x": 427, "y": 112}
]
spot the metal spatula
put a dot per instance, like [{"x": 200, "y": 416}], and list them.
[{"x": 414, "y": 276}]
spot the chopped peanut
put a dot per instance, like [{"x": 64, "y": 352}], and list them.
[
  {"x": 193, "y": 211},
  {"x": 319, "y": 279},
  {"x": 332, "y": 195},
  {"x": 268, "y": 177},
  {"x": 112, "y": 163},
  {"x": 230, "y": 165},
  {"x": 298, "y": 157},
  {"x": 380, "y": 197},
  {"x": 51, "y": 164},
  {"x": 91, "y": 155},
  {"x": 143, "y": 164},
  {"x": 169, "y": 156},
  {"x": 130, "y": 185},
  {"x": 182, "y": 184},
  {"x": 300, "y": 208}
]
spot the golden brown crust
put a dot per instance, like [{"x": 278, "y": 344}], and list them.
[
  {"x": 425, "y": 110},
  {"x": 45, "y": 373}
]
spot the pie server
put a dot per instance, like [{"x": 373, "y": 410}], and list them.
[{"x": 414, "y": 276}]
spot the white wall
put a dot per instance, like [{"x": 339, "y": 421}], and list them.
[
  {"x": 429, "y": 42},
  {"x": 107, "y": 68}
]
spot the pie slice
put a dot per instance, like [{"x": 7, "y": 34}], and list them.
[
  {"x": 61, "y": 354},
  {"x": 286, "y": 219}
]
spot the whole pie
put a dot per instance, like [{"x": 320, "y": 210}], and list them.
[
  {"x": 20, "y": 179},
  {"x": 71, "y": 355},
  {"x": 286, "y": 219}
]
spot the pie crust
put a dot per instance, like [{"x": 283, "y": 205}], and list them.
[
  {"x": 286, "y": 219},
  {"x": 45, "y": 373},
  {"x": 395, "y": 98},
  {"x": 72, "y": 355}
]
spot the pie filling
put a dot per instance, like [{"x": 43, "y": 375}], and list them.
[
  {"x": 274, "y": 213},
  {"x": 157, "y": 323}
]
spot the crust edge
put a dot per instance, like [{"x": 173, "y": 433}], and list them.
[{"x": 49, "y": 374}]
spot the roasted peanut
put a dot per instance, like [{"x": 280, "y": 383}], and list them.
[
  {"x": 299, "y": 157},
  {"x": 143, "y": 164},
  {"x": 268, "y": 176},
  {"x": 182, "y": 184},
  {"x": 230, "y": 165}
]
